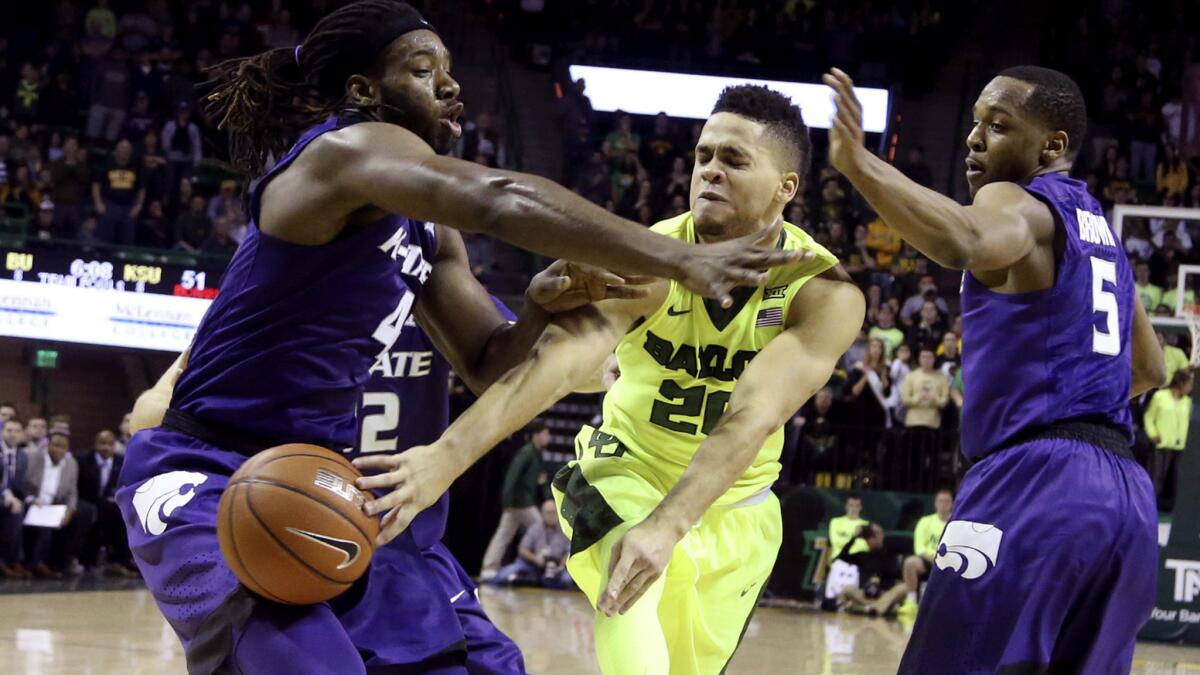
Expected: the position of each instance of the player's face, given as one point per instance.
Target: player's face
(737, 185)
(417, 91)
(1005, 145)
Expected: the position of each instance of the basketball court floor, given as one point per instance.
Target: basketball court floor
(120, 631)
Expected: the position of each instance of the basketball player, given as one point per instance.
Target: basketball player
(677, 478)
(335, 261)
(1049, 563)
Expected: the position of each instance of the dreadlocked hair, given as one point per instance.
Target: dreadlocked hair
(264, 102)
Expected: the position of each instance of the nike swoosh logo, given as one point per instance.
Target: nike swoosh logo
(349, 549)
(456, 597)
(671, 311)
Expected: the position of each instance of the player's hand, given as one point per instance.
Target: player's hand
(564, 286)
(417, 476)
(846, 149)
(638, 560)
(713, 270)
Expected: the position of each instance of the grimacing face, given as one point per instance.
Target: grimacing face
(416, 88)
(1006, 144)
(738, 185)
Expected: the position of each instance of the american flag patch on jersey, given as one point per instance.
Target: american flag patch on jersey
(769, 317)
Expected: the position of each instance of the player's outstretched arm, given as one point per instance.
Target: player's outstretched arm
(823, 319)
(571, 351)
(391, 168)
(999, 229)
(1149, 365)
(458, 314)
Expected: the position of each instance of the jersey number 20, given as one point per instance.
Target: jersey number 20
(1108, 341)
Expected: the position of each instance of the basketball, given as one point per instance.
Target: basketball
(291, 525)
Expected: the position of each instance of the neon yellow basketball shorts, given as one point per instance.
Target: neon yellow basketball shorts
(692, 618)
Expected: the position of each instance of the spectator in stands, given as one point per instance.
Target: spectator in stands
(220, 240)
(883, 242)
(901, 365)
(659, 151)
(622, 141)
(1144, 125)
(140, 119)
(886, 331)
(948, 356)
(927, 291)
(26, 98)
(845, 529)
(36, 433)
(595, 181)
(859, 261)
(8, 411)
(926, 391)
(915, 168)
(1148, 294)
(1173, 175)
(812, 441)
(13, 467)
(541, 555)
(43, 224)
(71, 181)
(100, 20)
(192, 227)
(856, 352)
(928, 331)
(153, 229)
(1137, 241)
(110, 98)
(867, 393)
(926, 537)
(481, 139)
(225, 198)
(20, 190)
(181, 138)
(98, 471)
(156, 171)
(1176, 359)
(878, 589)
(52, 479)
(519, 498)
(118, 195)
(1166, 423)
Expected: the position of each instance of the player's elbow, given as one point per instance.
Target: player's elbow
(1150, 373)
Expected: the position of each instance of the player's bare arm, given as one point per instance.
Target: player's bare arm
(374, 167)
(1004, 225)
(571, 352)
(823, 319)
(152, 404)
(1149, 365)
(457, 313)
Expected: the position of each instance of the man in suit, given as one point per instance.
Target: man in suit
(98, 471)
(13, 465)
(53, 478)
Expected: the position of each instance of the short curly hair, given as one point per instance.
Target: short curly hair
(775, 111)
(1056, 101)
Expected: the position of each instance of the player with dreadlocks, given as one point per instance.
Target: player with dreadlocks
(341, 253)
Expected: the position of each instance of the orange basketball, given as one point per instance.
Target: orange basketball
(291, 524)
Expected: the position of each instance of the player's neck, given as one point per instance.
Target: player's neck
(733, 231)
(1058, 166)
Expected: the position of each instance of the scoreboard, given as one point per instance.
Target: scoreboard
(99, 298)
(68, 268)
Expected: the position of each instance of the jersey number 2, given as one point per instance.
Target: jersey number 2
(1108, 341)
(381, 422)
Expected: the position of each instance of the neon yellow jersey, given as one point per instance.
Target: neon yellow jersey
(927, 535)
(679, 366)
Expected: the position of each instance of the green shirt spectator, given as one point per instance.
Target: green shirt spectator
(1166, 419)
(843, 528)
(1176, 359)
(521, 479)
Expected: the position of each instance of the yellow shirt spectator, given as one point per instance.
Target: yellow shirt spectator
(1167, 418)
(927, 535)
(1176, 359)
(841, 530)
(884, 241)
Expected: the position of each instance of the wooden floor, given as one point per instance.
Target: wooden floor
(94, 633)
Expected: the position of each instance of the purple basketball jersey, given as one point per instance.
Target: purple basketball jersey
(1033, 359)
(283, 352)
(406, 403)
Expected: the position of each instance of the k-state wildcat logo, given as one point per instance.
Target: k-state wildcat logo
(969, 549)
(163, 495)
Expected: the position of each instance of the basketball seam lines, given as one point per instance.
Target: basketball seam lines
(238, 554)
(267, 529)
(315, 498)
